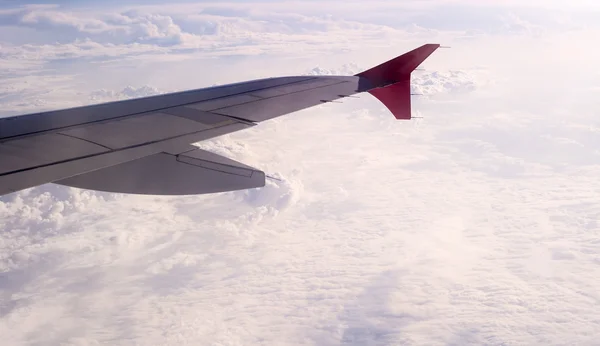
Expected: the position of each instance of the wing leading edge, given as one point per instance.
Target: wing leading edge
(120, 146)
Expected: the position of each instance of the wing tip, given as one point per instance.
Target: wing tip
(400, 67)
(391, 79)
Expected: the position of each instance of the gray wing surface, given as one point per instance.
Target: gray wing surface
(143, 145)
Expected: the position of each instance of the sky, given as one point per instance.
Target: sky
(476, 224)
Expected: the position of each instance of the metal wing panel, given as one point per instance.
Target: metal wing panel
(202, 117)
(37, 175)
(55, 120)
(224, 102)
(312, 83)
(268, 108)
(200, 100)
(202, 158)
(194, 172)
(21, 154)
(137, 130)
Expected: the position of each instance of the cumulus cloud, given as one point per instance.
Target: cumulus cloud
(126, 93)
(474, 225)
(344, 70)
(435, 82)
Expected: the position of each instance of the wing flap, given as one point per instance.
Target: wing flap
(206, 159)
(205, 118)
(192, 172)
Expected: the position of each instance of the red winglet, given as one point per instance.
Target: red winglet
(392, 79)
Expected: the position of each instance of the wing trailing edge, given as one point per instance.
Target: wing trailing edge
(391, 80)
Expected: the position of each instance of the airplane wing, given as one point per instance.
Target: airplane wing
(143, 146)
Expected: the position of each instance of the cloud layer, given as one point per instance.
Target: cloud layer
(475, 224)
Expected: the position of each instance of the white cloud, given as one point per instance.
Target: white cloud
(344, 70)
(474, 225)
(127, 93)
